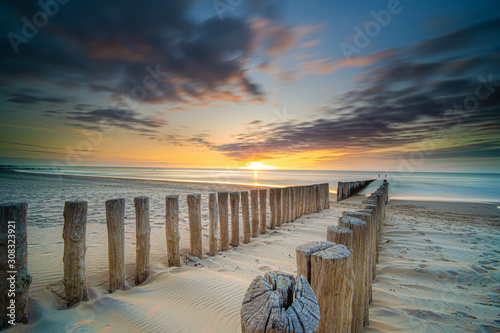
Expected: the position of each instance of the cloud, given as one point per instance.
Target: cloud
(130, 49)
(310, 43)
(327, 66)
(481, 35)
(20, 97)
(115, 117)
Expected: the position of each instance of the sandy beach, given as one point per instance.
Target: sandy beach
(438, 271)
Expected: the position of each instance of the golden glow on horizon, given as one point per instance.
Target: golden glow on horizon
(257, 166)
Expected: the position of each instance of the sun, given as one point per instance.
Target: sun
(257, 166)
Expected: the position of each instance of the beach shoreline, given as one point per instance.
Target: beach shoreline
(206, 296)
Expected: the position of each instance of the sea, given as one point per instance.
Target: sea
(46, 190)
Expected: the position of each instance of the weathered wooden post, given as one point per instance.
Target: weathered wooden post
(172, 230)
(222, 198)
(115, 219)
(327, 186)
(14, 277)
(254, 204)
(310, 202)
(213, 227)
(303, 255)
(286, 218)
(278, 207)
(195, 228)
(235, 218)
(330, 269)
(368, 257)
(279, 302)
(74, 235)
(332, 282)
(359, 231)
(293, 216)
(311, 199)
(301, 201)
(375, 237)
(318, 205)
(284, 205)
(263, 209)
(245, 213)
(272, 207)
(142, 239)
(339, 235)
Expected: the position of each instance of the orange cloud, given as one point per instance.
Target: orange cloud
(310, 43)
(326, 66)
(100, 49)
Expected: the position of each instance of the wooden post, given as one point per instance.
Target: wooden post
(359, 246)
(293, 216)
(279, 302)
(222, 198)
(263, 208)
(245, 213)
(287, 205)
(278, 207)
(301, 201)
(367, 218)
(195, 229)
(288, 191)
(213, 227)
(142, 239)
(303, 255)
(272, 207)
(172, 230)
(339, 235)
(74, 235)
(254, 204)
(308, 199)
(14, 264)
(327, 186)
(284, 205)
(310, 203)
(319, 207)
(375, 237)
(332, 278)
(235, 218)
(115, 219)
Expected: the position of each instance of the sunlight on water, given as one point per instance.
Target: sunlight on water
(411, 186)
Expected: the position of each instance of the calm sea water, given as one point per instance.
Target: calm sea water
(471, 187)
(47, 193)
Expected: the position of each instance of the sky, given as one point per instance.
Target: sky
(408, 85)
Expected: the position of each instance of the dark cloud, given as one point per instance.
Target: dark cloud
(483, 35)
(145, 51)
(28, 98)
(92, 120)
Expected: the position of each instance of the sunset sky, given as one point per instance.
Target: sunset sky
(332, 85)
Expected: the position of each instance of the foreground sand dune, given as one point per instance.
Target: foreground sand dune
(438, 271)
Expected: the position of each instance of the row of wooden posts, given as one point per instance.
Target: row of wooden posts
(342, 268)
(348, 189)
(333, 287)
(286, 204)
